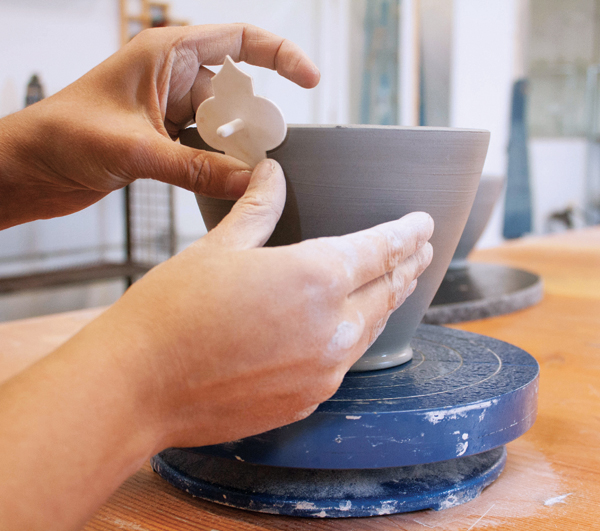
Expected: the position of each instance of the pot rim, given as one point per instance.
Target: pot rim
(415, 128)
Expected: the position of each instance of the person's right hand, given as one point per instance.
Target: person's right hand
(229, 339)
(225, 340)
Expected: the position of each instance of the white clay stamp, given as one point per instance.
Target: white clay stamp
(238, 122)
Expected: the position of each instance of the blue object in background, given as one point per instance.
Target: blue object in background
(517, 204)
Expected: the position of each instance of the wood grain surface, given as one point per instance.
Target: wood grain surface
(552, 477)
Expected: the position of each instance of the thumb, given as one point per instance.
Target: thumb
(202, 172)
(254, 216)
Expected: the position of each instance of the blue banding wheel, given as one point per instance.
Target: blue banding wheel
(330, 493)
(462, 395)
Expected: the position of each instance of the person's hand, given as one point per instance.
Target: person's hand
(228, 339)
(223, 341)
(117, 123)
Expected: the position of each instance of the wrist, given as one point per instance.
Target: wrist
(121, 361)
(21, 197)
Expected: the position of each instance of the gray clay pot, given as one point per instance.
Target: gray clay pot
(487, 195)
(342, 179)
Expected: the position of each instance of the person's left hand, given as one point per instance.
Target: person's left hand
(118, 122)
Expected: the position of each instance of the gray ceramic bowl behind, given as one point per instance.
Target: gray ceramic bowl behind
(342, 179)
(487, 195)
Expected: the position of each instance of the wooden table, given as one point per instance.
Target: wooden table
(552, 477)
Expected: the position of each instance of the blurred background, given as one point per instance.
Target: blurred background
(527, 70)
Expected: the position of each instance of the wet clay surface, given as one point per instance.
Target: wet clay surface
(343, 179)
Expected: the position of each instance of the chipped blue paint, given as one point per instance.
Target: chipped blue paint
(408, 415)
(428, 434)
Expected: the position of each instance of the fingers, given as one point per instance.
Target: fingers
(208, 45)
(386, 293)
(255, 46)
(376, 301)
(370, 254)
(202, 172)
(254, 216)
(182, 105)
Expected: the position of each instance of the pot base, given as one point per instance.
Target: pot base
(382, 361)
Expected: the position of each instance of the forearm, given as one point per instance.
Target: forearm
(72, 429)
(23, 195)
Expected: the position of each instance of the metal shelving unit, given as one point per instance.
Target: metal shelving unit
(148, 205)
(149, 239)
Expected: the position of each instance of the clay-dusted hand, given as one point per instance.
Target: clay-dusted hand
(116, 123)
(238, 339)
(225, 340)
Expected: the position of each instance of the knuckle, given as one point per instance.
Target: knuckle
(339, 260)
(259, 204)
(329, 386)
(153, 37)
(378, 328)
(257, 207)
(396, 288)
(295, 67)
(426, 255)
(390, 253)
(319, 270)
(148, 42)
(419, 261)
(306, 412)
(201, 175)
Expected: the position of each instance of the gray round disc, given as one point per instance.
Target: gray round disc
(483, 290)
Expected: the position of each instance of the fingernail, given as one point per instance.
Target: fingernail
(424, 219)
(271, 166)
(237, 182)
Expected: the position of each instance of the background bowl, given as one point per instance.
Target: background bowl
(342, 179)
(487, 195)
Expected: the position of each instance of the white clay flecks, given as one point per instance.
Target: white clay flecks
(453, 500)
(528, 488)
(453, 413)
(354, 250)
(556, 499)
(346, 335)
(394, 241)
(387, 507)
(412, 224)
(461, 448)
(305, 506)
(379, 327)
